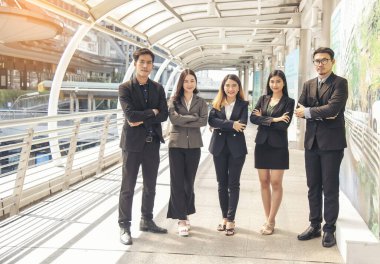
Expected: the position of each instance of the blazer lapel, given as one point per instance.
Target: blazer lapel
(236, 111)
(278, 107)
(223, 112)
(183, 102)
(264, 106)
(194, 101)
(326, 85)
(151, 93)
(314, 89)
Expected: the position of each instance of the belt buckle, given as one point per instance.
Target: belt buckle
(149, 139)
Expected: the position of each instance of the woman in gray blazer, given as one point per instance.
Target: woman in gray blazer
(187, 113)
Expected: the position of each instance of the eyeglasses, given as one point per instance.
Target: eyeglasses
(323, 61)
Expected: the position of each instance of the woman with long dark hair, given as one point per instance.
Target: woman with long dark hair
(228, 118)
(187, 113)
(273, 114)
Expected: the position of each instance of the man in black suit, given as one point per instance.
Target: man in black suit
(144, 105)
(322, 103)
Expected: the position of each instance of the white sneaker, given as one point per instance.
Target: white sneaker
(188, 224)
(183, 231)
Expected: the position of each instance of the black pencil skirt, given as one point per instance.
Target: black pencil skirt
(268, 157)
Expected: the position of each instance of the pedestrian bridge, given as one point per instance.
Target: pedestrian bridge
(60, 174)
(64, 209)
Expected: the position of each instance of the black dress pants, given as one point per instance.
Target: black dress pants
(322, 172)
(149, 159)
(228, 170)
(183, 168)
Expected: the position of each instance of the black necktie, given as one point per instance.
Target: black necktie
(320, 83)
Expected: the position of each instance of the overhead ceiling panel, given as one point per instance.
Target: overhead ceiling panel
(198, 29)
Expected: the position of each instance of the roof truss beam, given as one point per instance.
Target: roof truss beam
(230, 22)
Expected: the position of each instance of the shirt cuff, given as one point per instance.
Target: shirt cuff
(307, 113)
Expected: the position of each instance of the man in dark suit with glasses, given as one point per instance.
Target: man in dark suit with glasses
(322, 104)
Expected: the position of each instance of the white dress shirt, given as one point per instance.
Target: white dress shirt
(228, 109)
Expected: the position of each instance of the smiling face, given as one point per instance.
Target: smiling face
(231, 89)
(276, 84)
(321, 68)
(144, 66)
(189, 83)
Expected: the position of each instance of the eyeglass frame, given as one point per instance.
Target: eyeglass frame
(323, 61)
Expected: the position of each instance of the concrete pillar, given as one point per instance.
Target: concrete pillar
(280, 58)
(72, 102)
(246, 81)
(257, 82)
(327, 10)
(76, 104)
(273, 62)
(267, 63)
(262, 81)
(305, 66)
(93, 104)
(90, 98)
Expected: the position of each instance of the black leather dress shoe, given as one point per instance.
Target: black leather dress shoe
(310, 232)
(328, 239)
(125, 236)
(150, 226)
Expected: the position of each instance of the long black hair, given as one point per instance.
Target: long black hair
(280, 74)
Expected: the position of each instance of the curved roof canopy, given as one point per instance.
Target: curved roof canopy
(199, 34)
(21, 25)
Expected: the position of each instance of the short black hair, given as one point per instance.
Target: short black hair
(142, 51)
(324, 50)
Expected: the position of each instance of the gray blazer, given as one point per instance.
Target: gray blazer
(185, 131)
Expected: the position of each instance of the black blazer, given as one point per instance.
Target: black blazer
(330, 133)
(224, 133)
(275, 133)
(135, 109)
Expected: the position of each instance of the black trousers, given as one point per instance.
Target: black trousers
(322, 172)
(149, 159)
(183, 168)
(228, 170)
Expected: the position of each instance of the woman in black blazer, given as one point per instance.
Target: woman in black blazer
(228, 118)
(273, 114)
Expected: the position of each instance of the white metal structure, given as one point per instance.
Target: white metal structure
(89, 143)
(199, 34)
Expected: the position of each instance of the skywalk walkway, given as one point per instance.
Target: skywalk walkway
(80, 225)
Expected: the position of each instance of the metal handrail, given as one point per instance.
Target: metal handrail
(29, 171)
(45, 119)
